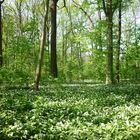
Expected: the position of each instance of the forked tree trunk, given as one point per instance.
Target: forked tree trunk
(41, 49)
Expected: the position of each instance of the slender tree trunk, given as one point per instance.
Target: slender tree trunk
(19, 5)
(118, 45)
(53, 38)
(41, 49)
(100, 18)
(1, 59)
(65, 43)
(63, 47)
(19, 10)
(48, 41)
(109, 72)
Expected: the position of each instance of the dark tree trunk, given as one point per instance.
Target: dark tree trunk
(1, 59)
(118, 45)
(109, 73)
(53, 38)
(109, 19)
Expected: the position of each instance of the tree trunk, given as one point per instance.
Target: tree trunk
(53, 38)
(1, 59)
(63, 47)
(109, 72)
(108, 10)
(100, 18)
(118, 45)
(19, 12)
(41, 49)
(109, 66)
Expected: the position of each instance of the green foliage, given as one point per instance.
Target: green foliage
(71, 112)
(81, 41)
(131, 65)
(11, 77)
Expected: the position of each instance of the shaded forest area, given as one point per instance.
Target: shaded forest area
(69, 70)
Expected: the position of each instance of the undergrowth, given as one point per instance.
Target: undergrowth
(71, 113)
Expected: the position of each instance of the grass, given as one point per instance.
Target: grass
(71, 113)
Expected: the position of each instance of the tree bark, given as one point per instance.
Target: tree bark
(41, 49)
(109, 72)
(108, 10)
(118, 45)
(53, 9)
(1, 58)
(53, 38)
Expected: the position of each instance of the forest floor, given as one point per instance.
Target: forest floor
(64, 112)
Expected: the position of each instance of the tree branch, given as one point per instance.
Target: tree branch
(64, 4)
(80, 7)
(104, 7)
